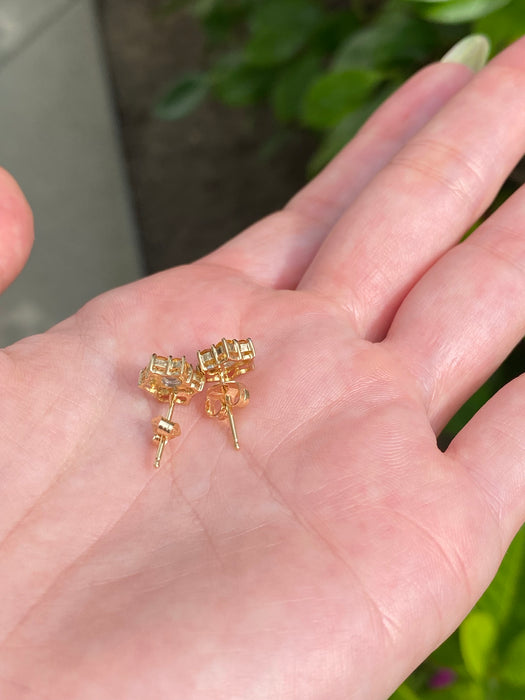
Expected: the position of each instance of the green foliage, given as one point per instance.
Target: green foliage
(290, 87)
(327, 70)
(322, 68)
(501, 598)
(279, 30)
(504, 25)
(335, 95)
(396, 37)
(477, 639)
(404, 692)
(187, 93)
(487, 652)
(513, 662)
(457, 11)
(237, 83)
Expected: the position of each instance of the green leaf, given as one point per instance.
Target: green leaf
(185, 96)
(477, 639)
(292, 84)
(334, 95)
(458, 691)
(457, 11)
(222, 19)
(504, 26)
(504, 594)
(505, 692)
(238, 84)
(343, 132)
(395, 37)
(335, 27)
(448, 654)
(404, 693)
(279, 29)
(513, 666)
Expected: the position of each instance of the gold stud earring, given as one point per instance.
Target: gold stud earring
(171, 380)
(222, 363)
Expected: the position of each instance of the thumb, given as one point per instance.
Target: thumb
(16, 230)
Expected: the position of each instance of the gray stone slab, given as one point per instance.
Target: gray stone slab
(22, 20)
(60, 141)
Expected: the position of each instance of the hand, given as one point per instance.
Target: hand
(330, 555)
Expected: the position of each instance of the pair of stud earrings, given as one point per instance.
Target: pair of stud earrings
(174, 380)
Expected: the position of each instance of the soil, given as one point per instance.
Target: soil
(198, 181)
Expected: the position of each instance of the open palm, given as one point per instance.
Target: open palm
(330, 555)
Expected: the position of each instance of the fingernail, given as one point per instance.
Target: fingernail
(472, 51)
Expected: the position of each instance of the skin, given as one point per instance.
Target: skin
(340, 546)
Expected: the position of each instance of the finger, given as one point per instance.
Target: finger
(277, 250)
(426, 198)
(16, 230)
(467, 313)
(492, 448)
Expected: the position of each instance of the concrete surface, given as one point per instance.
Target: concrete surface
(60, 140)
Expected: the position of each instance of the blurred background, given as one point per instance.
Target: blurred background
(146, 132)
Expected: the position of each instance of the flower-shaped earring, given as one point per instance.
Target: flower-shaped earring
(171, 380)
(222, 363)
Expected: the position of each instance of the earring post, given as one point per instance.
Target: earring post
(232, 426)
(164, 440)
(229, 411)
